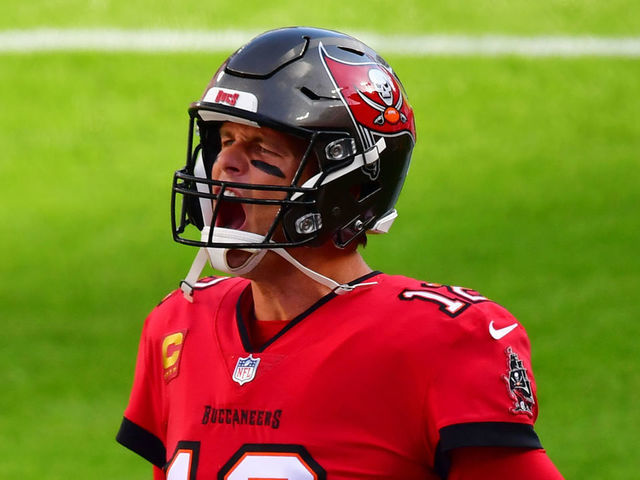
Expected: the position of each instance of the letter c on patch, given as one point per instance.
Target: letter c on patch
(171, 346)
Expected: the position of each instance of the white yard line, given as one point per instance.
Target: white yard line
(120, 40)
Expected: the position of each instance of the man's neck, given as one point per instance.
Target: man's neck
(281, 291)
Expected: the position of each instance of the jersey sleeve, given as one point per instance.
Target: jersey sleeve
(491, 463)
(484, 392)
(142, 429)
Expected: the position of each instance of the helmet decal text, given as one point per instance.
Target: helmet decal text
(233, 98)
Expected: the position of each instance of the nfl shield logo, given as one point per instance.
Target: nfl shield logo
(245, 369)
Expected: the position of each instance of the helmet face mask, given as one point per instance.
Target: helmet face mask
(327, 89)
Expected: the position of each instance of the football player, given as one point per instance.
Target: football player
(304, 363)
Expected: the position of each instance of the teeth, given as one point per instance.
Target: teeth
(229, 193)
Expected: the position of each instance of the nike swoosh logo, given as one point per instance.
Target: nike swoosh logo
(498, 333)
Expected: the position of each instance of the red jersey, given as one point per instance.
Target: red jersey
(378, 383)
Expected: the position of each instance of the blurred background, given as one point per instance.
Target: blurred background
(525, 185)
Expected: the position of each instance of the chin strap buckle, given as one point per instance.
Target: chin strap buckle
(197, 266)
(346, 288)
(187, 290)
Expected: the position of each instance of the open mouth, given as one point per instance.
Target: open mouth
(230, 214)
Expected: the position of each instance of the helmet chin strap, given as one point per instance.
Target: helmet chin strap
(218, 260)
(218, 256)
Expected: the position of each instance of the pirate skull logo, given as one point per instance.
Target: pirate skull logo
(382, 85)
(389, 113)
(373, 95)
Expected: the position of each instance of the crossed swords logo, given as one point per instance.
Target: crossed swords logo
(388, 112)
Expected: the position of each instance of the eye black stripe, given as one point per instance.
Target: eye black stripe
(268, 168)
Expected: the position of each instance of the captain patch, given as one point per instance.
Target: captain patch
(171, 352)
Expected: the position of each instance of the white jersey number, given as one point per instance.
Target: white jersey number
(184, 464)
(263, 461)
(453, 303)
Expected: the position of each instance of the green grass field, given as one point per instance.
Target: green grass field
(524, 185)
(617, 17)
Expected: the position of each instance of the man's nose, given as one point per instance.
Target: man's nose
(233, 160)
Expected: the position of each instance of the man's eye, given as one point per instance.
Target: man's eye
(265, 150)
(268, 168)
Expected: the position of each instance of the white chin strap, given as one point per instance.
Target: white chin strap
(218, 256)
(219, 261)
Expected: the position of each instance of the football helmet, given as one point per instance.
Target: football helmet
(324, 87)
